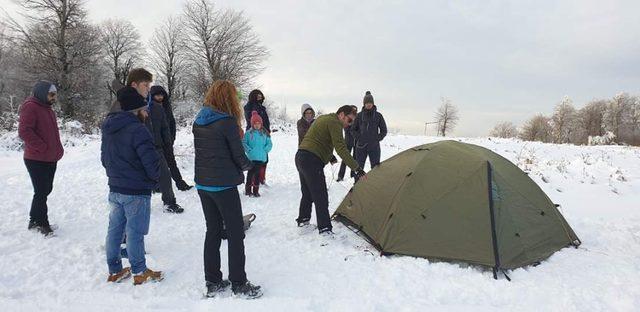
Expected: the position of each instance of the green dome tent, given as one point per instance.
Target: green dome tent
(456, 201)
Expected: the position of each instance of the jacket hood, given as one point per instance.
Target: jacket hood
(208, 115)
(155, 90)
(41, 90)
(118, 120)
(304, 108)
(253, 96)
(373, 109)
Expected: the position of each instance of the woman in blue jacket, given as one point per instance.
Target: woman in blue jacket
(219, 163)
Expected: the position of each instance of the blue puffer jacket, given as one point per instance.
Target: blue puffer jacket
(257, 144)
(129, 155)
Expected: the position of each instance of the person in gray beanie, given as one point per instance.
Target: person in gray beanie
(368, 130)
(38, 129)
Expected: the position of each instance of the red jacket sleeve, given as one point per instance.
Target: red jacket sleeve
(27, 129)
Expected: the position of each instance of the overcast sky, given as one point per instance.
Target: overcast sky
(495, 60)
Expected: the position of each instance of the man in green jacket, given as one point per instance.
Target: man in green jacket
(315, 151)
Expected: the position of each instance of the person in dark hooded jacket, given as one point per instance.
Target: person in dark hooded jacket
(368, 130)
(255, 103)
(162, 139)
(308, 116)
(159, 95)
(38, 129)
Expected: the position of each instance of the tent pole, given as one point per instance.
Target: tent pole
(493, 223)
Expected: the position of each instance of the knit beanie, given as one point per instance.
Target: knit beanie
(255, 117)
(130, 99)
(368, 98)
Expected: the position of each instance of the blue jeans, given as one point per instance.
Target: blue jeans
(130, 213)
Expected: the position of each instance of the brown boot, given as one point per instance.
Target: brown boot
(148, 276)
(120, 276)
(256, 189)
(247, 189)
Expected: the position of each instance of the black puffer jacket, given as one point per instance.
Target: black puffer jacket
(168, 109)
(369, 128)
(220, 157)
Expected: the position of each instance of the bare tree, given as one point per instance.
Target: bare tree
(12, 84)
(58, 43)
(222, 42)
(592, 117)
(589, 121)
(618, 117)
(537, 128)
(505, 129)
(121, 43)
(446, 117)
(563, 121)
(168, 52)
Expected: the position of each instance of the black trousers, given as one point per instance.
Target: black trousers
(223, 208)
(370, 150)
(314, 189)
(170, 157)
(166, 187)
(253, 176)
(343, 166)
(42, 174)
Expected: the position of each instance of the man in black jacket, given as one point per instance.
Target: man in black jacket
(159, 95)
(162, 139)
(368, 130)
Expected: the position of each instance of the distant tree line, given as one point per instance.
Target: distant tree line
(617, 118)
(56, 41)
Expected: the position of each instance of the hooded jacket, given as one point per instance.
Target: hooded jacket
(38, 126)
(369, 128)
(158, 126)
(219, 156)
(168, 109)
(128, 155)
(303, 124)
(254, 105)
(257, 144)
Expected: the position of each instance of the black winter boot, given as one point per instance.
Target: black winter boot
(173, 208)
(247, 291)
(42, 228)
(213, 288)
(247, 190)
(256, 191)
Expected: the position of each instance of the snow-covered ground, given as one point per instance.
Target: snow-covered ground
(598, 187)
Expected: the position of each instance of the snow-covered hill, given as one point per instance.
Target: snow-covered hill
(598, 188)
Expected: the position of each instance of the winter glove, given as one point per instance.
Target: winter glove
(333, 160)
(360, 174)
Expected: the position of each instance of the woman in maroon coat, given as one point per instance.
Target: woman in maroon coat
(38, 128)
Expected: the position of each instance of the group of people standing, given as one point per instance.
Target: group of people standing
(138, 156)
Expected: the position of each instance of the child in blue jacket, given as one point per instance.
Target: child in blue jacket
(257, 144)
